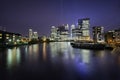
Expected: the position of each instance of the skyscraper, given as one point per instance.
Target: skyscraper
(63, 33)
(53, 33)
(30, 34)
(67, 27)
(84, 25)
(71, 33)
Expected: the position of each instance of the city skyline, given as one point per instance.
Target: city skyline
(60, 39)
(19, 16)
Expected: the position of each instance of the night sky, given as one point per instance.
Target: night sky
(20, 15)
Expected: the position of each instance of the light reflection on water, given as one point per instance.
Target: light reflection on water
(44, 58)
(32, 53)
(44, 51)
(85, 55)
(13, 57)
(60, 49)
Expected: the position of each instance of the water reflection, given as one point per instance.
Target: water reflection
(32, 52)
(44, 51)
(13, 57)
(85, 55)
(35, 48)
(61, 59)
(61, 50)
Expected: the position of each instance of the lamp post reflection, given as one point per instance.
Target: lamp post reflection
(13, 57)
(44, 51)
(33, 52)
(35, 48)
(85, 56)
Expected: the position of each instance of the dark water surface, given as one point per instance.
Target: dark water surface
(57, 61)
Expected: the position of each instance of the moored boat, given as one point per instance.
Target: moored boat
(95, 46)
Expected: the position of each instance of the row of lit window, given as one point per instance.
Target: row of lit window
(0, 36)
(7, 35)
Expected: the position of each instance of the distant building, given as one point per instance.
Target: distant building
(53, 33)
(113, 36)
(84, 25)
(110, 36)
(35, 35)
(63, 33)
(66, 27)
(117, 36)
(71, 31)
(30, 34)
(98, 34)
(76, 34)
(9, 38)
(60, 33)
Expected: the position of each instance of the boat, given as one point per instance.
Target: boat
(95, 46)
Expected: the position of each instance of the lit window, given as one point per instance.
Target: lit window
(0, 37)
(86, 33)
(13, 35)
(7, 37)
(0, 34)
(7, 34)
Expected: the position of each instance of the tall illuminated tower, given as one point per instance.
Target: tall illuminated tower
(30, 34)
(53, 32)
(71, 33)
(66, 27)
(84, 25)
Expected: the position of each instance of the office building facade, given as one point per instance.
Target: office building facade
(84, 25)
(98, 34)
(53, 35)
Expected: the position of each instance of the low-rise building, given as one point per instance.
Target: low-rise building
(9, 38)
(113, 36)
(117, 36)
(110, 36)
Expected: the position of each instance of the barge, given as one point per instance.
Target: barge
(95, 46)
